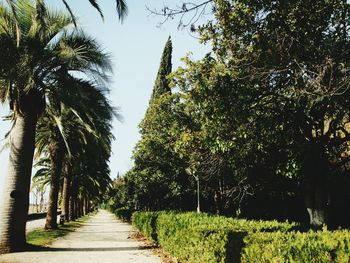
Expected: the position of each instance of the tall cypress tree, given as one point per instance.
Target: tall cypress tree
(161, 85)
(154, 177)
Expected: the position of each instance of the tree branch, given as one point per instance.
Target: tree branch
(168, 13)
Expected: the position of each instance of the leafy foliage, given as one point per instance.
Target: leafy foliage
(123, 214)
(262, 120)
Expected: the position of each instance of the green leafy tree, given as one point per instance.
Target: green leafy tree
(286, 63)
(158, 174)
(210, 135)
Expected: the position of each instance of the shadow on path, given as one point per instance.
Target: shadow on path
(33, 248)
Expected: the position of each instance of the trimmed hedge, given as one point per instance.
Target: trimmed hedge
(320, 246)
(192, 237)
(123, 214)
(146, 223)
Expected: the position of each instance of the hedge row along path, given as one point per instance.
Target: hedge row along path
(102, 238)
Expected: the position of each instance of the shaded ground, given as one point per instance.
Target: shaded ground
(101, 239)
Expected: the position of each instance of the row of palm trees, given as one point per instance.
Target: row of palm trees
(55, 78)
(81, 142)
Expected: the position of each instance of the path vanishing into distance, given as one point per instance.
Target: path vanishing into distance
(101, 239)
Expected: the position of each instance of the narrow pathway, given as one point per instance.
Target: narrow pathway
(102, 239)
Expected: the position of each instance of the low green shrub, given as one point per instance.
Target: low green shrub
(320, 246)
(123, 214)
(146, 223)
(192, 237)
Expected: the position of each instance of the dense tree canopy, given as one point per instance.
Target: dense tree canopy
(264, 118)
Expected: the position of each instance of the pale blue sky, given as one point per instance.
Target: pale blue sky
(136, 47)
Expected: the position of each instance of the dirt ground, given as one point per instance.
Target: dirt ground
(102, 238)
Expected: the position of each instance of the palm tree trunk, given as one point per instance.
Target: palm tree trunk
(41, 204)
(71, 209)
(15, 196)
(76, 208)
(56, 149)
(82, 211)
(66, 193)
(86, 205)
(72, 201)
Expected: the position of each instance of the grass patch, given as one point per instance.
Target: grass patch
(42, 237)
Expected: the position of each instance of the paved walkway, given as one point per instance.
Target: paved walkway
(102, 239)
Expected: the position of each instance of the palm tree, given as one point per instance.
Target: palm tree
(57, 134)
(56, 151)
(90, 170)
(41, 180)
(121, 7)
(91, 175)
(28, 73)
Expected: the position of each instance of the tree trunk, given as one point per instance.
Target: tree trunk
(316, 194)
(218, 202)
(77, 209)
(71, 209)
(84, 206)
(66, 193)
(316, 201)
(82, 211)
(56, 149)
(75, 189)
(80, 208)
(72, 203)
(15, 196)
(36, 203)
(87, 205)
(41, 205)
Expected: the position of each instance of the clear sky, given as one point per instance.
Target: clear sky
(136, 47)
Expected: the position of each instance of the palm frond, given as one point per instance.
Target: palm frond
(82, 52)
(97, 7)
(6, 141)
(70, 12)
(41, 177)
(13, 6)
(60, 126)
(122, 9)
